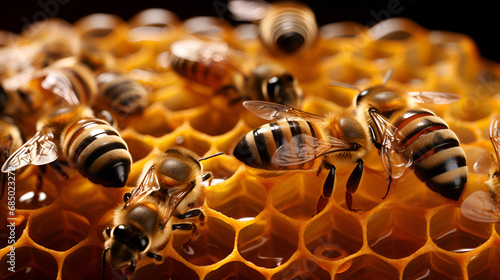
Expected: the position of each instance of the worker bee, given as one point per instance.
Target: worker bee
(409, 136)
(10, 140)
(122, 93)
(287, 28)
(67, 79)
(483, 206)
(296, 139)
(170, 184)
(218, 66)
(90, 145)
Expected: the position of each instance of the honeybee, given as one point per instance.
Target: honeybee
(218, 66)
(286, 28)
(90, 145)
(483, 206)
(67, 79)
(409, 136)
(296, 139)
(10, 140)
(122, 93)
(170, 183)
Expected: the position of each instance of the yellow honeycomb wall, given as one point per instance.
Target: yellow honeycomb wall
(261, 225)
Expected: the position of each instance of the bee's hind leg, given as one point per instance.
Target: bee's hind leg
(327, 187)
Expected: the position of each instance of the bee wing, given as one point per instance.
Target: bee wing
(27, 75)
(275, 111)
(393, 161)
(495, 135)
(480, 207)
(303, 148)
(174, 197)
(58, 83)
(484, 163)
(148, 185)
(253, 10)
(39, 150)
(434, 97)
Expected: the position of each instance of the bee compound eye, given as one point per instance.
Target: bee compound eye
(140, 242)
(273, 87)
(120, 231)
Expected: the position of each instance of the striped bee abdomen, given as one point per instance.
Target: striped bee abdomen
(98, 152)
(434, 149)
(124, 94)
(213, 75)
(258, 147)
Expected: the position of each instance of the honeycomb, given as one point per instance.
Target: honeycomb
(260, 224)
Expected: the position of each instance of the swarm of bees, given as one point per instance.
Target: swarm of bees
(66, 96)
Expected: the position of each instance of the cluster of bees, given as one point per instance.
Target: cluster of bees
(73, 87)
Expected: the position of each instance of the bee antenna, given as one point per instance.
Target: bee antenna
(211, 156)
(386, 77)
(104, 261)
(344, 85)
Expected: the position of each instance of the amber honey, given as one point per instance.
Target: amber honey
(263, 225)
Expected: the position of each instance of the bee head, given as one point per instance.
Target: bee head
(124, 245)
(283, 89)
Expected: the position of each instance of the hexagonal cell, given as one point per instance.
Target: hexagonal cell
(396, 232)
(84, 196)
(86, 263)
(470, 108)
(269, 242)
(58, 230)
(29, 263)
(184, 137)
(455, 233)
(213, 121)
(302, 269)
(105, 31)
(432, 265)
(485, 265)
(213, 243)
(138, 148)
(169, 269)
(177, 98)
(152, 122)
(240, 197)
(153, 25)
(334, 235)
(368, 267)
(410, 190)
(205, 26)
(234, 270)
(222, 167)
(31, 193)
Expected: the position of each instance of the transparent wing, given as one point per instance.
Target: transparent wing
(248, 10)
(434, 97)
(174, 197)
(480, 207)
(303, 148)
(495, 135)
(484, 163)
(27, 75)
(58, 83)
(275, 111)
(148, 185)
(392, 159)
(39, 150)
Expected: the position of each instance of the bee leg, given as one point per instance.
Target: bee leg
(327, 188)
(187, 226)
(353, 184)
(127, 196)
(193, 213)
(154, 256)
(57, 167)
(131, 268)
(104, 262)
(377, 145)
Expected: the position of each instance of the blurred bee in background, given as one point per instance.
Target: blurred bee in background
(170, 184)
(122, 93)
(483, 206)
(11, 139)
(220, 67)
(409, 136)
(90, 145)
(39, 46)
(286, 28)
(298, 138)
(67, 81)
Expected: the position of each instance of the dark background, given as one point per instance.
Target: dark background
(478, 19)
